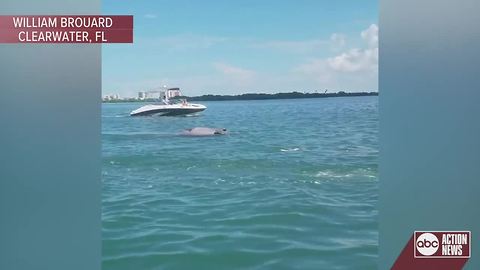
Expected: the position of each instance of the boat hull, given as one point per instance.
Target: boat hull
(168, 110)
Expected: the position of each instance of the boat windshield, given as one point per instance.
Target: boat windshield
(174, 101)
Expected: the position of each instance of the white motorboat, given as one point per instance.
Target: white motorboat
(168, 108)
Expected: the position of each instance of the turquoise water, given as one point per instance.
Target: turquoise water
(292, 186)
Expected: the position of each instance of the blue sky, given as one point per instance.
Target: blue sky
(232, 47)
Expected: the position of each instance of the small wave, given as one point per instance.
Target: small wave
(191, 167)
(191, 115)
(349, 174)
(290, 149)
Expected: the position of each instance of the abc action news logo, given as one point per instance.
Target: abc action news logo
(442, 244)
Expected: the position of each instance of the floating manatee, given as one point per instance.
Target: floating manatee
(204, 131)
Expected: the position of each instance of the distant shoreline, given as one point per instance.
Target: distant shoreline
(291, 95)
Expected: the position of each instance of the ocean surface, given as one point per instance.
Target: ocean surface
(292, 186)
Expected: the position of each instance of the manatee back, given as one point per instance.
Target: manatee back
(204, 131)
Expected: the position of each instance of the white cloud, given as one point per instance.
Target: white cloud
(358, 66)
(316, 69)
(370, 35)
(236, 75)
(355, 60)
(338, 40)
